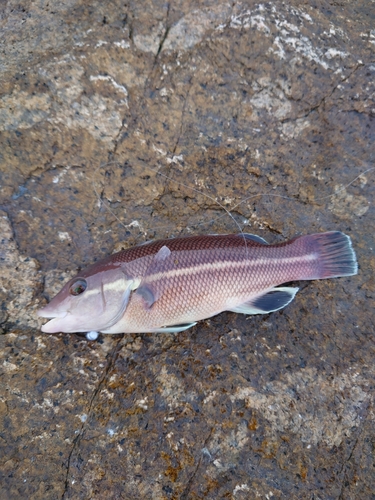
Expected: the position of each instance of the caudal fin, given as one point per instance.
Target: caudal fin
(335, 254)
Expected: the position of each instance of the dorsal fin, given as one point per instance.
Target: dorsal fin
(254, 237)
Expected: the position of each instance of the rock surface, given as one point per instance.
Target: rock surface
(122, 123)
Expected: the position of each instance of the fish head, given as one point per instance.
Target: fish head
(95, 299)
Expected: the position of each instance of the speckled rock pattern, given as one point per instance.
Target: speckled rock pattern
(125, 122)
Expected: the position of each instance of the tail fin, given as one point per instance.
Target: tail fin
(336, 256)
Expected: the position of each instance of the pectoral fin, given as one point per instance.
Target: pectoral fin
(148, 291)
(147, 295)
(273, 300)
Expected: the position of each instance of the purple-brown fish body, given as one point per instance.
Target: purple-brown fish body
(169, 285)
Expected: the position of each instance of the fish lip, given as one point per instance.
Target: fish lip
(42, 313)
(53, 325)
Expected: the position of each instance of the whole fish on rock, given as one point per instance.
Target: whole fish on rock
(169, 285)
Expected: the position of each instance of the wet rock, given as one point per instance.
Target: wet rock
(20, 282)
(123, 123)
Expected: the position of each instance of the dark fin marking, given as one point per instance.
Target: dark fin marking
(336, 256)
(273, 300)
(255, 237)
(174, 328)
(147, 295)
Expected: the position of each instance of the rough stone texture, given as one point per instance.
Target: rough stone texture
(122, 122)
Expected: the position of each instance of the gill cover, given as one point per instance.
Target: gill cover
(93, 303)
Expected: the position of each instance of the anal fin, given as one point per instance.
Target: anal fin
(174, 328)
(273, 300)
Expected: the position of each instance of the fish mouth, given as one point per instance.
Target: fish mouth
(55, 323)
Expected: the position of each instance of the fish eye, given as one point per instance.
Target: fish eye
(78, 287)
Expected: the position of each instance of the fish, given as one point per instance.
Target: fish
(169, 285)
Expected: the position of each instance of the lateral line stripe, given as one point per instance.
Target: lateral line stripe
(218, 266)
(121, 283)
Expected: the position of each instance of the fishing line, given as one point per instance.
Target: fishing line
(143, 119)
(345, 187)
(214, 200)
(227, 212)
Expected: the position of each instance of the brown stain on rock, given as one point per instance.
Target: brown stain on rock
(253, 425)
